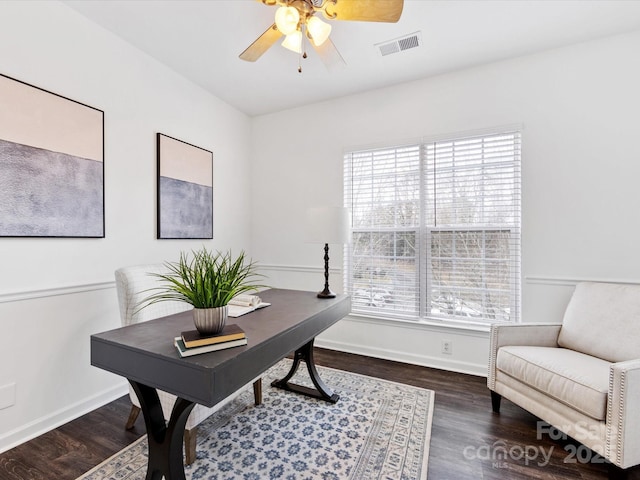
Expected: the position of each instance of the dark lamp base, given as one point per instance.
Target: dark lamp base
(326, 293)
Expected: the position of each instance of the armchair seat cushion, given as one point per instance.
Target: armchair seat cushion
(573, 378)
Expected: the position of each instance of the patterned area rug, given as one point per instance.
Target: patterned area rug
(377, 430)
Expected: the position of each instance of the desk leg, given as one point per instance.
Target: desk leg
(322, 391)
(165, 439)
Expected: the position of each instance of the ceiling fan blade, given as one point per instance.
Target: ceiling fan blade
(261, 44)
(330, 56)
(363, 10)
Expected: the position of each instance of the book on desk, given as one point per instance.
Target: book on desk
(245, 303)
(187, 352)
(193, 338)
(192, 342)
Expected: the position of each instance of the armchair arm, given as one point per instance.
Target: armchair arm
(623, 414)
(534, 334)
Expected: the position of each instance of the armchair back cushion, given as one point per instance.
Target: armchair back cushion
(603, 320)
(134, 284)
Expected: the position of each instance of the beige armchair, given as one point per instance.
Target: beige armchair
(582, 376)
(132, 285)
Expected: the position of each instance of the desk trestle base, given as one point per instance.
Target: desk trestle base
(321, 392)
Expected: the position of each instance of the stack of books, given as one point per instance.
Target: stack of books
(193, 342)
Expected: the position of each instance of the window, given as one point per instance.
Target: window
(436, 229)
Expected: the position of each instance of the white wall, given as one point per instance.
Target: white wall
(578, 106)
(54, 293)
(580, 169)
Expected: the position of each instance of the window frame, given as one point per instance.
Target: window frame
(424, 234)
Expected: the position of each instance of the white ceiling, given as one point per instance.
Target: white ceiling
(201, 39)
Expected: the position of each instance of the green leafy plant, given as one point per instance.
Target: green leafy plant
(206, 280)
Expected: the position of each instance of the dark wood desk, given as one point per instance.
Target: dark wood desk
(144, 353)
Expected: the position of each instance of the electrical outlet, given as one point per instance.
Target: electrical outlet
(447, 347)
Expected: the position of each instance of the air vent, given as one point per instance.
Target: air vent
(397, 45)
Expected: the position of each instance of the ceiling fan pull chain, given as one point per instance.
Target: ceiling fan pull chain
(303, 49)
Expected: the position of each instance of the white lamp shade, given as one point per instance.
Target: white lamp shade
(328, 225)
(293, 42)
(287, 19)
(318, 30)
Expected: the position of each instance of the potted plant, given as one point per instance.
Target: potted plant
(208, 281)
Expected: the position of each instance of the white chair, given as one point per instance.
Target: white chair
(133, 284)
(582, 375)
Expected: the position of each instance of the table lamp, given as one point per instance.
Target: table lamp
(327, 225)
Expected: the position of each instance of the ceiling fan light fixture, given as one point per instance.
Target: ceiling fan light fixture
(287, 19)
(318, 30)
(296, 19)
(293, 41)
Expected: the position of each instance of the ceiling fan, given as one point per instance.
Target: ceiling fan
(297, 20)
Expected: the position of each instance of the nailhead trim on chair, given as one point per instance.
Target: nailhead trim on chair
(491, 376)
(607, 447)
(619, 435)
(619, 424)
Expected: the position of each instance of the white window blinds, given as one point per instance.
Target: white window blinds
(436, 229)
(383, 193)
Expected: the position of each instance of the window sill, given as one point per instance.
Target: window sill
(426, 323)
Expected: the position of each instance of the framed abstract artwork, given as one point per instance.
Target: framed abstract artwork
(51, 164)
(185, 190)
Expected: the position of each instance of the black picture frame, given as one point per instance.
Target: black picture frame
(184, 190)
(51, 164)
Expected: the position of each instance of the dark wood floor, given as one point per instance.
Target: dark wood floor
(465, 435)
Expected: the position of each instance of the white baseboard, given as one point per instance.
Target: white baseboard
(47, 423)
(398, 356)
